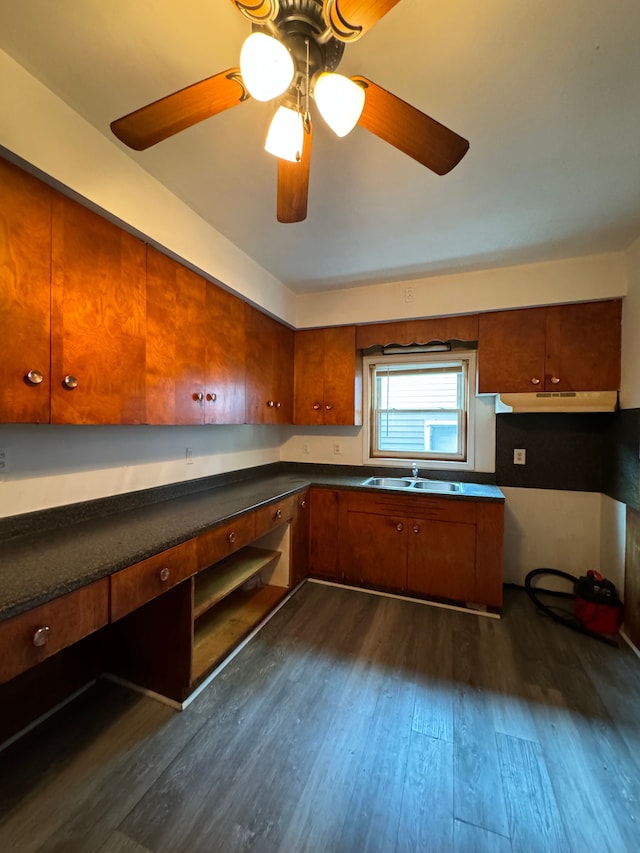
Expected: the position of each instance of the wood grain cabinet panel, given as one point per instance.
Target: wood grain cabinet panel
(324, 507)
(275, 514)
(98, 319)
(32, 637)
(134, 586)
(434, 547)
(300, 538)
(421, 331)
(269, 378)
(175, 342)
(25, 296)
(226, 368)
(218, 543)
(327, 377)
(558, 348)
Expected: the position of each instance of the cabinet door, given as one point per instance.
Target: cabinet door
(175, 342)
(25, 296)
(308, 394)
(323, 532)
(226, 357)
(342, 378)
(376, 550)
(583, 347)
(260, 396)
(511, 351)
(442, 559)
(97, 319)
(300, 539)
(283, 373)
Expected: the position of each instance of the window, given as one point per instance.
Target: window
(420, 407)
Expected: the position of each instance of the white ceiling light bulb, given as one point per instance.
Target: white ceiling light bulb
(266, 66)
(286, 135)
(339, 100)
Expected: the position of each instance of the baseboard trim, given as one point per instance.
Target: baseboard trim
(470, 610)
(46, 715)
(630, 643)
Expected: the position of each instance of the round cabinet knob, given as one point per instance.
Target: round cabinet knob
(34, 377)
(198, 396)
(70, 382)
(303, 504)
(164, 574)
(555, 380)
(535, 381)
(416, 528)
(399, 527)
(329, 406)
(231, 538)
(41, 636)
(317, 406)
(211, 398)
(277, 513)
(270, 403)
(278, 405)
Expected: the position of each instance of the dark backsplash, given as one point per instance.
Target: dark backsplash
(577, 452)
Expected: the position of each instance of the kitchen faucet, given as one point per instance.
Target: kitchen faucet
(414, 470)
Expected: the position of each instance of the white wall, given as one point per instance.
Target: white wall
(630, 391)
(57, 465)
(573, 280)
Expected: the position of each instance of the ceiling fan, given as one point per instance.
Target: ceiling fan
(292, 55)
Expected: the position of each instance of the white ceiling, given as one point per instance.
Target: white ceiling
(547, 92)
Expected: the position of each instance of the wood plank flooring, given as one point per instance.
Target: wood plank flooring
(351, 723)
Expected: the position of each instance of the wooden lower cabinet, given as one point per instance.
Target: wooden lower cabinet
(323, 533)
(422, 545)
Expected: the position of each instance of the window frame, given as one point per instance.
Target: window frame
(399, 458)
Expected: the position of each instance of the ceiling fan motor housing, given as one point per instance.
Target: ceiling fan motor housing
(299, 22)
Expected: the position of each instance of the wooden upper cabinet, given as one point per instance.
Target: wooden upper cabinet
(583, 346)
(327, 380)
(225, 362)
(97, 319)
(25, 296)
(558, 348)
(269, 383)
(175, 347)
(403, 332)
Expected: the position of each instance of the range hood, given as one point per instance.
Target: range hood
(558, 401)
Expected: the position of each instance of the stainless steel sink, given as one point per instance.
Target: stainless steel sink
(418, 483)
(388, 482)
(436, 486)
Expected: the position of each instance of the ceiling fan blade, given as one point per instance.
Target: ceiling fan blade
(293, 184)
(409, 130)
(350, 19)
(173, 113)
(259, 11)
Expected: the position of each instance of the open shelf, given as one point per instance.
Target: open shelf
(224, 577)
(222, 627)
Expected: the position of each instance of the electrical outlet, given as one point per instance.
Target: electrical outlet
(337, 448)
(409, 294)
(189, 456)
(520, 456)
(5, 460)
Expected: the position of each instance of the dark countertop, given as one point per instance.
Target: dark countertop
(41, 564)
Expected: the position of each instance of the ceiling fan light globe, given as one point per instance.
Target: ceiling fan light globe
(286, 135)
(339, 100)
(266, 67)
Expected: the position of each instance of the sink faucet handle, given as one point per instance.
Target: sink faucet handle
(414, 470)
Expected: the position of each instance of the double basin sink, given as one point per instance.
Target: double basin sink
(414, 484)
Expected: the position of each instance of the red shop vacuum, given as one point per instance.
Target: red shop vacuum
(597, 609)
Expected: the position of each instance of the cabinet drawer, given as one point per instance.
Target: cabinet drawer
(226, 539)
(415, 506)
(30, 638)
(134, 586)
(274, 514)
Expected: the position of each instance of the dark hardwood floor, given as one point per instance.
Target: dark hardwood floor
(351, 723)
